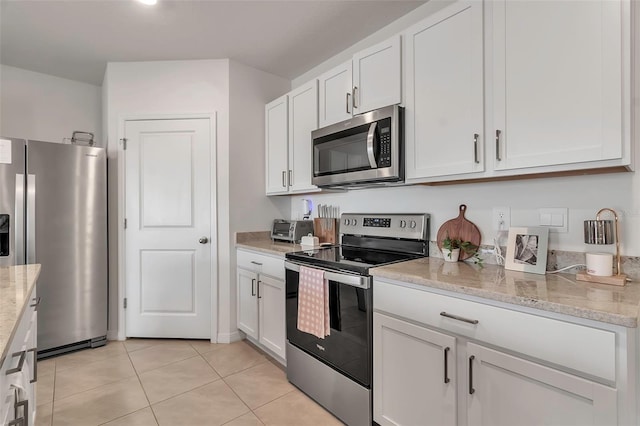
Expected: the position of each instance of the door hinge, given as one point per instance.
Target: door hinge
(125, 224)
(124, 143)
(125, 303)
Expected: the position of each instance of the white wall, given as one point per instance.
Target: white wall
(158, 88)
(582, 195)
(184, 87)
(249, 208)
(43, 107)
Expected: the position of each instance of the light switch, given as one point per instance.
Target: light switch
(556, 219)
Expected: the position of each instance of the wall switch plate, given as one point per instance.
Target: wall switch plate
(556, 219)
(501, 218)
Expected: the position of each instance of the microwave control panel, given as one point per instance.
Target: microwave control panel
(384, 156)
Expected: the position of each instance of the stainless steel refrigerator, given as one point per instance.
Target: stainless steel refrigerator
(53, 211)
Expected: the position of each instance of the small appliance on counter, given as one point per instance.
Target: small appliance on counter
(291, 230)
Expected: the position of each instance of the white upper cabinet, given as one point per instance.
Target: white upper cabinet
(444, 93)
(290, 120)
(276, 140)
(376, 76)
(335, 95)
(559, 72)
(303, 119)
(370, 80)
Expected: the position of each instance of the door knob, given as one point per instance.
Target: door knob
(203, 240)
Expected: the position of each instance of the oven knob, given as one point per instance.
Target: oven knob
(403, 224)
(412, 224)
(347, 222)
(354, 222)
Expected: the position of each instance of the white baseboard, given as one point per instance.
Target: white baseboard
(113, 335)
(229, 337)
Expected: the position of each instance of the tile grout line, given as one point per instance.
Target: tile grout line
(141, 386)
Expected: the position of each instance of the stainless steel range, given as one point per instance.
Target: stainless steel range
(336, 370)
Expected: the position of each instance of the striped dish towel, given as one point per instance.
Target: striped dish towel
(313, 302)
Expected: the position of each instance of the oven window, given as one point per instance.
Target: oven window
(348, 347)
(342, 152)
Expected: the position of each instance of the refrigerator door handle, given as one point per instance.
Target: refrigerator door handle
(31, 218)
(18, 220)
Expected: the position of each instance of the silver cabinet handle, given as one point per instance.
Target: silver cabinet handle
(455, 317)
(203, 240)
(471, 389)
(24, 419)
(35, 364)
(446, 364)
(253, 286)
(284, 179)
(36, 303)
(259, 297)
(370, 136)
(475, 148)
(256, 263)
(353, 95)
(498, 132)
(290, 177)
(22, 355)
(348, 95)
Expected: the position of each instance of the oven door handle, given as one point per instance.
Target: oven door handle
(359, 281)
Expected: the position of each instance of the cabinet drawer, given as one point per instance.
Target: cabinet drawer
(576, 347)
(260, 263)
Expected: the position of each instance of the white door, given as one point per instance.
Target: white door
(335, 95)
(303, 119)
(507, 390)
(444, 93)
(168, 233)
(414, 374)
(247, 282)
(376, 76)
(277, 170)
(271, 301)
(557, 82)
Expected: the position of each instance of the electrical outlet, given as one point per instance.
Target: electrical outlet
(501, 218)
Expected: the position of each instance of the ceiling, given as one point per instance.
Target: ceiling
(75, 39)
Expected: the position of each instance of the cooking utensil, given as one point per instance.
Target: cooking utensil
(462, 229)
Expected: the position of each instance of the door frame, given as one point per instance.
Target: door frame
(122, 119)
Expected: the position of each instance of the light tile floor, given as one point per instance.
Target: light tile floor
(143, 382)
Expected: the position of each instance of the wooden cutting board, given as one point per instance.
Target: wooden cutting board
(462, 229)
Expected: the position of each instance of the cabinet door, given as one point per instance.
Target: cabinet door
(247, 283)
(276, 141)
(303, 119)
(414, 374)
(557, 82)
(444, 93)
(507, 390)
(335, 95)
(272, 314)
(376, 76)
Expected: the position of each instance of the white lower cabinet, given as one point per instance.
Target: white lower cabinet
(414, 374)
(18, 372)
(503, 389)
(435, 362)
(261, 300)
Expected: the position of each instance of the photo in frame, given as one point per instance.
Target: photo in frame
(527, 249)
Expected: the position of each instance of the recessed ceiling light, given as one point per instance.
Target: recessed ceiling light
(148, 2)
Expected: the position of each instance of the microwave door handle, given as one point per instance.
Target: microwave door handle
(370, 136)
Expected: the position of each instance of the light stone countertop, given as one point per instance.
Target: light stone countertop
(262, 242)
(16, 283)
(559, 293)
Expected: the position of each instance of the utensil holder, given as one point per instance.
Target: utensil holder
(326, 229)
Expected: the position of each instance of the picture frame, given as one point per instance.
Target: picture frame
(527, 249)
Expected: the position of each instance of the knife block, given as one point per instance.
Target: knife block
(326, 230)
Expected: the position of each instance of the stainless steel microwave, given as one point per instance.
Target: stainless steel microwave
(362, 151)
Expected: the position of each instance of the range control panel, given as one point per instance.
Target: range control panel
(392, 225)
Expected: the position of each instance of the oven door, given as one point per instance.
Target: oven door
(349, 345)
